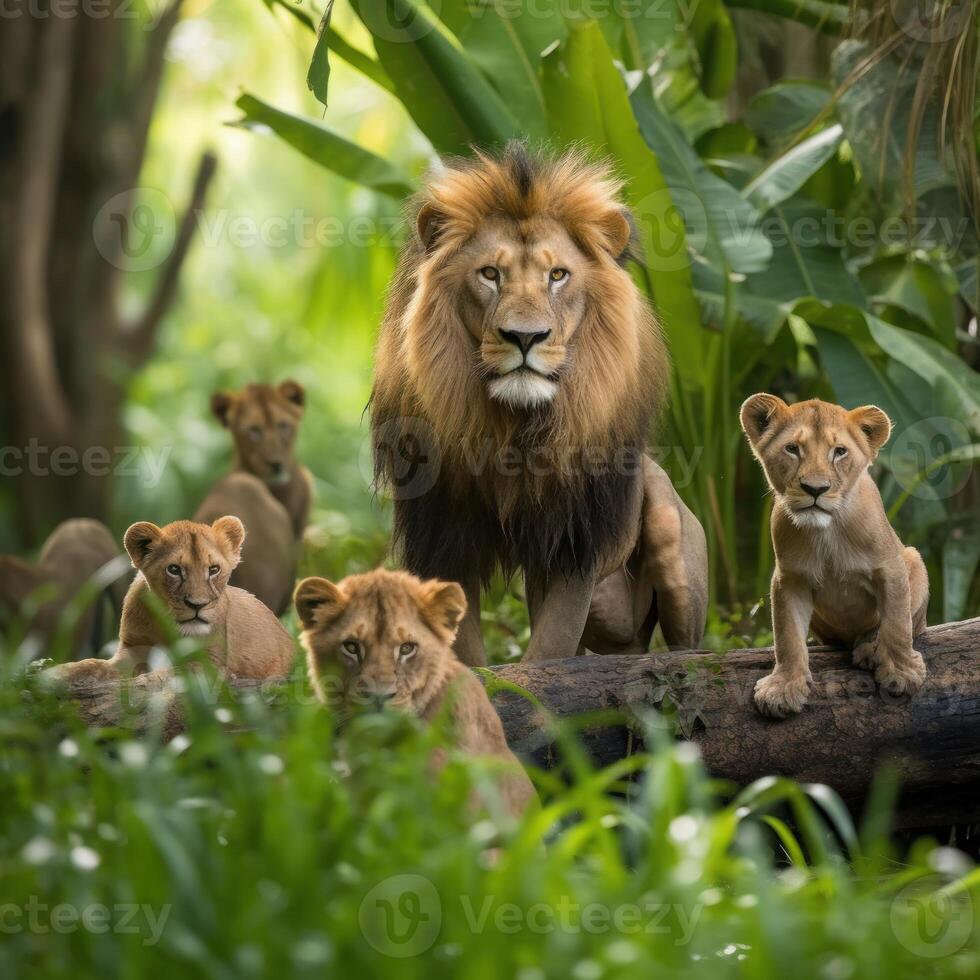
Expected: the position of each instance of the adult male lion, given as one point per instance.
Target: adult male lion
(517, 373)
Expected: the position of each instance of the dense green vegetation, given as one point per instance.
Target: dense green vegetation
(788, 247)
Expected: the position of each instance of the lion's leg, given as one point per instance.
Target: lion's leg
(559, 619)
(469, 640)
(674, 561)
(611, 626)
(901, 590)
(918, 589)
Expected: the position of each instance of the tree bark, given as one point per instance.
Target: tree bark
(847, 732)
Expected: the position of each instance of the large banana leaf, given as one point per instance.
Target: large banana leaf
(439, 84)
(722, 226)
(507, 45)
(324, 146)
(587, 103)
(961, 556)
(784, 111)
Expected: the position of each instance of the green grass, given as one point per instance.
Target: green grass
(264, 844)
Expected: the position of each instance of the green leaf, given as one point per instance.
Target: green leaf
(766, 315)
(324, 146)
(438, 83)
(782, 112)
(713, 33)
(507, 44)
(319, 73)
(967, 276)
(785, 175)
(358, 60)
(961, 555)
(722, 226)
(587, 102)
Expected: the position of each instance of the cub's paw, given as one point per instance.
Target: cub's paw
(901, 675)
(778, 695)
(865, 652)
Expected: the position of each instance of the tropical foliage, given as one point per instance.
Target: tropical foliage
(816, 237)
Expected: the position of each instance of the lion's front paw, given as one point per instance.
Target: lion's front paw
(901, 675)
(865, 653)
(778, 695)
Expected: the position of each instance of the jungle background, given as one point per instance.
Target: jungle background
(805, 182)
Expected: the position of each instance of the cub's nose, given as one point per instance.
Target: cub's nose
(275, 466)
(524, 340)
(814, 489)
(196, 606)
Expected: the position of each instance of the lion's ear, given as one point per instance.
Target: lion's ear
(221, 402)
(231, 533)
(444, 606)
(140, 540)
(617, 227)
(759, 412)
(293, 391)
(428, 224)
(874, 423)
(318, 602)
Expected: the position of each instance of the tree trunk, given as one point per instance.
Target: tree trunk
(77, 94)
(844, 735)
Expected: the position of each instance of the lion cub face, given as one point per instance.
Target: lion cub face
(187, 565)
(813, 452)
(263, 421)
(378, 639)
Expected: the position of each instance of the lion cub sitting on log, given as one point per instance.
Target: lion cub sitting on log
(840, 567)
(186, 566)
(268, 490)
(385, 638)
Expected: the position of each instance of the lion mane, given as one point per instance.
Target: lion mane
(548, 488)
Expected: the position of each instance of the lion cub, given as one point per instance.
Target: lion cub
(186, 566)
(268, 490)
(840, 567)
(386, 638)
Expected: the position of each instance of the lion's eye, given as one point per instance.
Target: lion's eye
(557, 275)
(491, 273)
(285, 428)
(174, 570)
(255, 433)
(840, 452)
(213, 570)
(352, 648)
(407, 650)
(792, 448)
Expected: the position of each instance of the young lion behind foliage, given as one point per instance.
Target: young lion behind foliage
(385, 638)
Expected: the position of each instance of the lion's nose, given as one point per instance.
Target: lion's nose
(276, 466)
(815, 489)
(524, 340)
(196, 606)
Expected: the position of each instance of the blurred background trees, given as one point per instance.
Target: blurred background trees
(804, 178)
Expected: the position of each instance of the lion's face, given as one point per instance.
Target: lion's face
(523, 296)
(187, 565)
(263, 421)
(813, 452)
(378, 639)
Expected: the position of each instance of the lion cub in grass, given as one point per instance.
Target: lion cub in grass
(840, 567)
(385, 638)
(268, 489)
(186, 566)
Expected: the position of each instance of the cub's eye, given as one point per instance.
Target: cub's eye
(407, 650)
(557, 275)
(491, 273)
(285, 428)
(173, 570)
(352, 648)
(840, 452)
(792, 448)
(255, 433)
(213, 570)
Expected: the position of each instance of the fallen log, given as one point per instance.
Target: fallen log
(846, 733)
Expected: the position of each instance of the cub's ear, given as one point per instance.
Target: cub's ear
(140, 540)
(428, 224)
(618, 228)
(759, 412)
(293, 391)
(318, 602)
(874, 423)
(444, 606)
(221, 402)
(231, 533)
